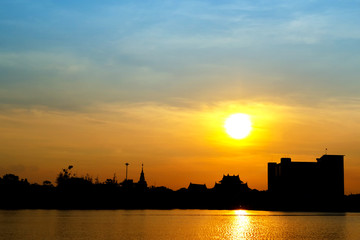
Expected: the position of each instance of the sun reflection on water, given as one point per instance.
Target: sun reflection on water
(240, 226)
(241, 212)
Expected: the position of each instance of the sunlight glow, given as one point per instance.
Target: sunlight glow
(241, 227)
(241, 212)
(238, 125)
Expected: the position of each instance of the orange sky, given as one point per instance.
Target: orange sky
(177, 145)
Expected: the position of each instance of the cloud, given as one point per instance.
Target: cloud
(207, 52)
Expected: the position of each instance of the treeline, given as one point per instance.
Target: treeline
(72, 192)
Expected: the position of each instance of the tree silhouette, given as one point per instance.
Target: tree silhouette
(64, 176)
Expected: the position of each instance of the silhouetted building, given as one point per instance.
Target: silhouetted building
(231, 183)
(323, 179)
(142, 184)
(197, 187)
(127, 184)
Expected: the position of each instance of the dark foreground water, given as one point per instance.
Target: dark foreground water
(176, 224)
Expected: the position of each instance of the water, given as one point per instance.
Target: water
(175, 224)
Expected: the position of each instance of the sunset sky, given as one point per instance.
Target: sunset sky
(96, 84)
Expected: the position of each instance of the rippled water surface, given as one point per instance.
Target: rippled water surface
(176, 224)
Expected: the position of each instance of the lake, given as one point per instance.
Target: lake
(176, 224)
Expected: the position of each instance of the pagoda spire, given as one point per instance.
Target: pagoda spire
(142, 184)
(142, 175)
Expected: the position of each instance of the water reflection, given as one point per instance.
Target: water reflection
(240, 227)
(176, 224)
(241, 212)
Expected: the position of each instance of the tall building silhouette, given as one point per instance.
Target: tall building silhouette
(323, 179)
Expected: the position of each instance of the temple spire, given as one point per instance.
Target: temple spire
(142, 175)
(142, 183)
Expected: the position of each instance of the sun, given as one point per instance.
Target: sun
(238, 125)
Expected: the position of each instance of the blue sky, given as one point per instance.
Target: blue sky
(157, 51)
